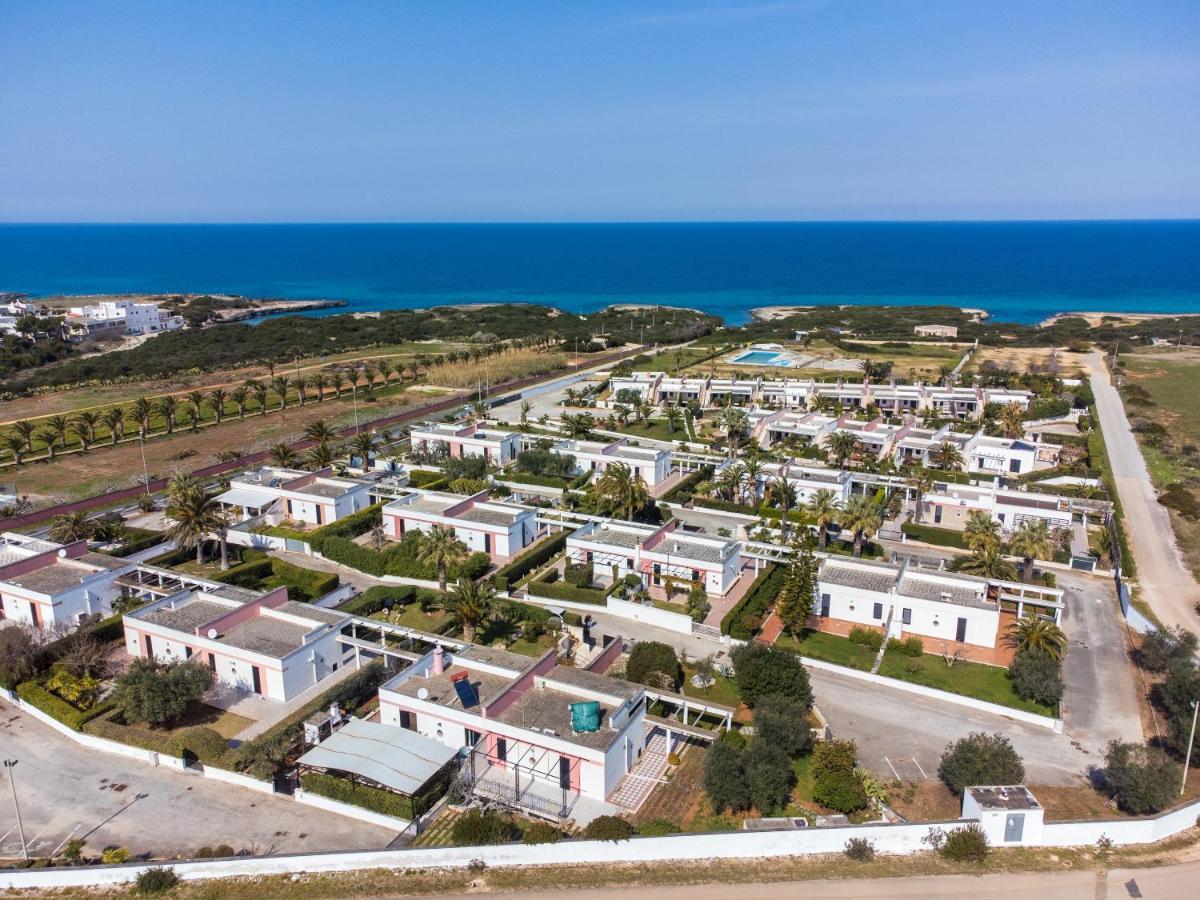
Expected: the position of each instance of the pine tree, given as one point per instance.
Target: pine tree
(795, 602)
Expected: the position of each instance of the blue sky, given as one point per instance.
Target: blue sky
(519, 111)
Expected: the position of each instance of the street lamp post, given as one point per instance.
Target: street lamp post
(1191, 740)
(11, 765)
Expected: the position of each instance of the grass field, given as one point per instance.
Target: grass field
(830, 648)
(970, 679)
(724, 691)
(656, 429)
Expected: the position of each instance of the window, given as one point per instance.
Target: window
(472, 737)
(501, 749)
(960, 633)
(1014, 465)
(937, 514)
(825, 605)
(877, 611)
(906, 616)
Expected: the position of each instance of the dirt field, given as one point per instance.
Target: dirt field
(1026, 359)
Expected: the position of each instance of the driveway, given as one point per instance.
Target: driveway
(1166, 583)
(67, 791)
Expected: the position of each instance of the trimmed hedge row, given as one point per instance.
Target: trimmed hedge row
(738, 622)
(551, 481)
(372, 798)
(372, 599)
(682, 492)
(541, 553)
(303, 584)
(198, 742)
(1098, 453)
(35, 694)
(930, 534)
(419, 478)
(556, 590)
(350, 527)
(137, 539)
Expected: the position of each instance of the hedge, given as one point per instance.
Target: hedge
(682, 492)
(399, 558)
(350, 527)
(757, 601)
(303, 584)
(35, 694)
(1098, 453)
(530, 478)
(726, 505)
(372, 599)
(372, 798)
(419, 478)
(136, 540)
(555, 590)
(106, 726)
(541, 553)
(947, 537)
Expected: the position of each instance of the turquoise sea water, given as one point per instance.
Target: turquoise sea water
(1017, 271)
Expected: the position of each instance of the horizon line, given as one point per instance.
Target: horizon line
(594, 222)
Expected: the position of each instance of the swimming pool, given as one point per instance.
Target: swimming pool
(761, 358)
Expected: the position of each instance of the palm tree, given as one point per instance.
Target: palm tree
(25, 429)
(89, 419)
(988, 562)
(261, 392)
(319, 381)
(470, 605)
(1032, 632)
(826, 511)
(281, 455)
(981, 532)
(240, 395)
(1030, 540)
(181, 483)
(301, 385)
(752, 467)
(15, 444)
(385, 370)
(217, 398)
(80, 430)
(337, 379)
(579, 426)
(50, 439)
(60, 425)
(733, 422)
(280, 384)
(621, 411)
(193, 515)
(196, 401)
(319, 431)
(442, 548)
(863, 518)
(526, 406)
(321, 455)
(922, 482)
(841, 444)
(114, 420)
(67, 529)
(141, 413)
(363, 445)
(1011, 420)
(946, 455)
(673, 417)
(168, 408)
(620, 492)
(780, 490)
(945, 372)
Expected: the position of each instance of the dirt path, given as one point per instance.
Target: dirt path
(1167, 584)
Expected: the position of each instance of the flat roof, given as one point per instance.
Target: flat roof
(593, 681)
(246, 497)
(878, 578)
(396, 758)
(187, 616)
(1008, 796)
(313, 613)
(55, 577)
(490, 516)
(268, 635)
(615, 537)
(441, 689)
(686, 548)
(548, 710)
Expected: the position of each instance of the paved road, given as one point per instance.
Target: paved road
(67, 791)
(1166, 583)
(1165, 883)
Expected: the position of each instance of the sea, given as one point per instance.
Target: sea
(1016, 271)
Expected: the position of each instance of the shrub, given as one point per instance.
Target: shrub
(743, 619)
(761, 671)
(1037, 676)
(366, 796)
(157, 693)
(476, 828)
(373, 599)
(769, 776)
(859, 850)
(204, 744)
(541, 833)
(52, 705)
(780, 722)
(154, 881)
(835, 782)
(654, 663)
(657, 828)
(725, 778)
(1141, 779)
(966, 844)
(866, 637)
(608, 828)
(980, 758)
(542, 552)
(1162, 647)
(733, 739)
(1177, 694)
(114, 856)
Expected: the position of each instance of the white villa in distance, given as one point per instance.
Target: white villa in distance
(498, 529)
(262, 644)
(458, 440)
(127, 317)
(314, 498)
(49, 585)
(654, 466)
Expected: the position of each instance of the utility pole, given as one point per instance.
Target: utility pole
(11, 765)
(145, 468)
(1191, 740)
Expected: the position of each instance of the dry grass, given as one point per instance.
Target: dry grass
(1049, 360)
(495, 369)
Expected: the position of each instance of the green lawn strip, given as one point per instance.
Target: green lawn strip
(724, 690)
(983, 682)
(832, 648)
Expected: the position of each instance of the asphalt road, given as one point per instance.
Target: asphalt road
(67, 791)
(1165, 883)
(1166, 583)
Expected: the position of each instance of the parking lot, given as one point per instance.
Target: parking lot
(67, 791)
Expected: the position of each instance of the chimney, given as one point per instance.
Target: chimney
(439, 660)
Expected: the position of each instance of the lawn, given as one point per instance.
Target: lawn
(831, 648)
(724, 691)
(970, 679)
(224, 723)
(675, 360)
(413, 617)
(657, 429)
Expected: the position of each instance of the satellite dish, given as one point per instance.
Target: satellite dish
(212, 634)
(423, 693)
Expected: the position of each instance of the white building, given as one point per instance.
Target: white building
(314, 498)
(125, 316)
(806, 480)
(261, 644)
(946, 331)
(949, 505)
(654, 466)
(980, 453)
(457, 440)
(49, 585)
(548, 739)
(498, 529)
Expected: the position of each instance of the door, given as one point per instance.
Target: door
(149, 648)
(1014, 827)
(33, 614)
(825, 605)
(256, 679)
(564, 773)
(501, 749)
(960, 633)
